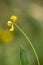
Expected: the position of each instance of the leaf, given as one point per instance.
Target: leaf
(23, 57)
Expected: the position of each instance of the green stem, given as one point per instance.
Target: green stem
(28, 41)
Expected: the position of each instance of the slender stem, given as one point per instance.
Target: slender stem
(28, 42)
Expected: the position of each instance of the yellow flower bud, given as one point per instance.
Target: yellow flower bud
(12, 28)
(14, 18)
(9, 23)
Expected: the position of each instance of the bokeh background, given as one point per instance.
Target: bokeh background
(30, 18)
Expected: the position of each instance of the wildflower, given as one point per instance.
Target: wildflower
(14, 18)
(10, 23)
(12, 28)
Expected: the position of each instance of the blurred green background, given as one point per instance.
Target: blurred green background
(30, 18)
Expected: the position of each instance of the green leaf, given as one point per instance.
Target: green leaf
(23, 57)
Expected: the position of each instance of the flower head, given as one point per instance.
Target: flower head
(14, 18)
(10, 23)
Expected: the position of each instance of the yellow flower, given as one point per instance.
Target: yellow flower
(14, 18)
(9, 23)
(12, 28)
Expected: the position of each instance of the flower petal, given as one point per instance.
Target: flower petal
(12, 28)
